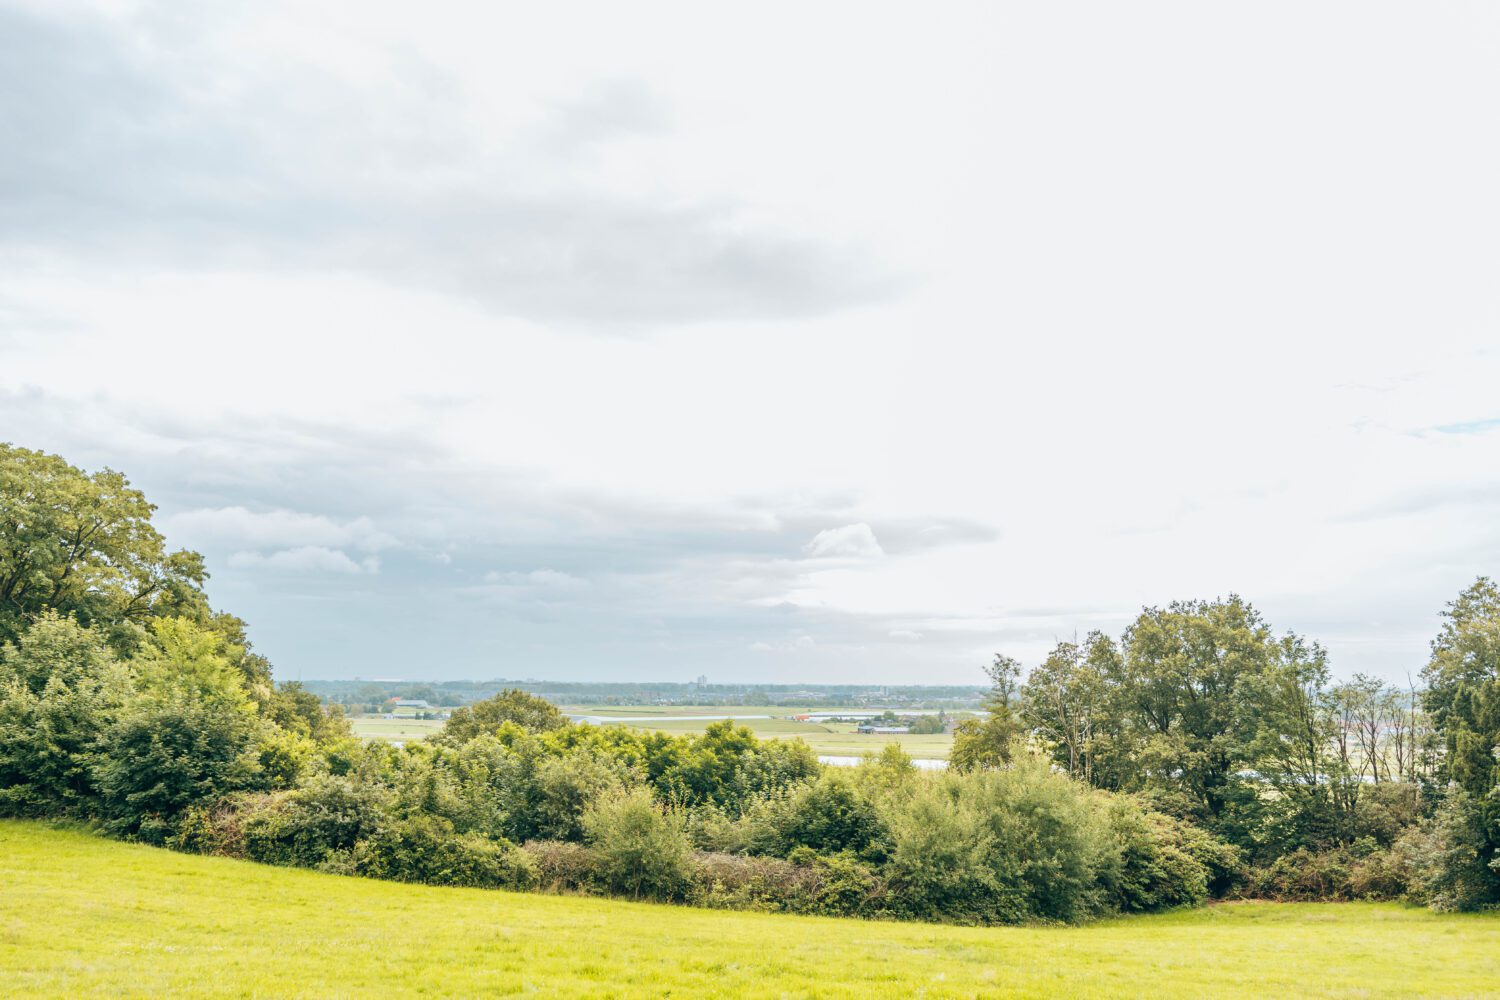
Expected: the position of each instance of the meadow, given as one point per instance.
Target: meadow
(767, 722)
(84, 916)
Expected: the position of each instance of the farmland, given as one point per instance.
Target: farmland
(775, 722)
(87, 916)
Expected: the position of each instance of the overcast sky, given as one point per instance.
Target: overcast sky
(803, 342)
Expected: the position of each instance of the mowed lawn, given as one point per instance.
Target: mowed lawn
(83, 916)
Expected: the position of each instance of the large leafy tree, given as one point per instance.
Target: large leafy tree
(82, 544)
(1187, 721)
(1463, 696)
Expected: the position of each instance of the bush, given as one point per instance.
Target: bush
(832, 815)
(938, 867)
(1154, 870)
(562, 867)
(326, 815)
(1362, 870)
(642, 849)
(426, 849)
(158, 760)
(1447, 857)
(736, 882)
(564, 789)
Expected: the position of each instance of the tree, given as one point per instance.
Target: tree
(1304, 747)
(60, 687)
(1463, 696)
(189, 735)
(83, 545)
(1186, 722)
(980, 743)
(298, 710)
(1065, 701)
(530, 712)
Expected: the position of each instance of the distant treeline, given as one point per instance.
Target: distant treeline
(367, 695)
(1199, 754)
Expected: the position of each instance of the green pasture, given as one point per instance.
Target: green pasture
(82, 916)
(824, 738)
(401, 729)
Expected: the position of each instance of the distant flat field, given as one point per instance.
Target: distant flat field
(82, 916)
(838, 739)
(835, 739)
(400, 730)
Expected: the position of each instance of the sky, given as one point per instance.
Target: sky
(782, 343)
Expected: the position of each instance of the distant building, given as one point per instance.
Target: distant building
(411, 703)
(874, 730)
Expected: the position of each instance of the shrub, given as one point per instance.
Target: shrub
(160, 759)
(832, 815)
(642, 849)
(1447, 857)
(938, 867)
(565, 787)
(736, 882)
(328, 814)
(1154, 871)
(1362, 870)
(561, 866)
(425, 849)
(844, 886)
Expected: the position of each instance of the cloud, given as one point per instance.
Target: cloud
(798, 644)
(547, 579)
(179, 143)
(850, 541)
(240, 527)
(305, 559)
(904, 633)
(1470, 426)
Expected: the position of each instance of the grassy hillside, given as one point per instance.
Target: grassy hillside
(85, 916)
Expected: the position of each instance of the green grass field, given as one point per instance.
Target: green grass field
(824, 738)
(400, 730)
(82, 916)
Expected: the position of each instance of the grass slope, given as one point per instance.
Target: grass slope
(84, 916)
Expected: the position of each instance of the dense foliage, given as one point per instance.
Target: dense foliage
(1197, 756)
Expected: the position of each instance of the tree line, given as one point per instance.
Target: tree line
(1198, 755)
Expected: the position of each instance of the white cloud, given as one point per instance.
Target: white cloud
(904, 633)
(241, 527)
(545, 579)
(305, 559)
(852, 540)
(1131, 361)
(797, 644)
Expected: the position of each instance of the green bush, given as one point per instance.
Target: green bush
(562, 866)
(426, 849)
(642, 849)
(832, 815)
(1154, 871)
(1448, 857)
